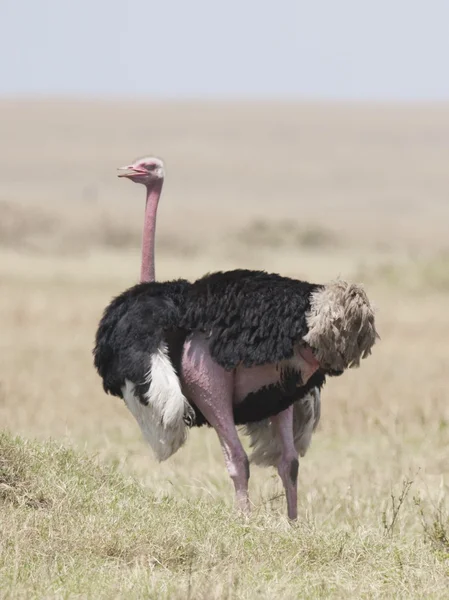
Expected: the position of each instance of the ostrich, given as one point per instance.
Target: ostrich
(233, 348)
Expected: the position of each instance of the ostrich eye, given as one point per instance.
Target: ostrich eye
(151, 167)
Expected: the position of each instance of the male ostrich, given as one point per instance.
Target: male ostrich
(233, 348)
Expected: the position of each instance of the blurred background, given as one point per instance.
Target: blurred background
(308, 138)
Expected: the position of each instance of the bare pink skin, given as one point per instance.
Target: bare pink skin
(147, 269)
(288, 465)
(251, 379)
(213, 389)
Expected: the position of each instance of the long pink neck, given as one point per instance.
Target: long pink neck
(147, 272)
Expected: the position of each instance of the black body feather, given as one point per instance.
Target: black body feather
(251, 317)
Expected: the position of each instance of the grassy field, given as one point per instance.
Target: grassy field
(309, 191)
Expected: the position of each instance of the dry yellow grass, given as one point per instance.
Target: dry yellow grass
(246, 186)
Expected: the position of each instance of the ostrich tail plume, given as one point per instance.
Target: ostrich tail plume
(341, 325)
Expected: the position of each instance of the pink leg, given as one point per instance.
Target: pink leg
(211, 388)
(288, 465)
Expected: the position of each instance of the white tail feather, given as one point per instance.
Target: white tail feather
(162, 419)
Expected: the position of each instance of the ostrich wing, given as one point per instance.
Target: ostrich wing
(252, 317)
(132, 328)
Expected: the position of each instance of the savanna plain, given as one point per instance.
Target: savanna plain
(307, 190)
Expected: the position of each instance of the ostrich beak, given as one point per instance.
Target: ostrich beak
(128, 169)
(131, 170)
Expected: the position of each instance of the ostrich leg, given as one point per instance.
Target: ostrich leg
(288, 464)
(211, 389)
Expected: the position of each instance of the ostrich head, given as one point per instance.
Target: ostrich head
(148, 171)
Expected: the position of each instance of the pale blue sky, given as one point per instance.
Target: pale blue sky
(325, 49)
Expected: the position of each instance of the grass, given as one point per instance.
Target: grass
(85, 511)
(71, 526)
(286, 234)
(428, 273)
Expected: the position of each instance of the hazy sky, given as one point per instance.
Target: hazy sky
(361, 49)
